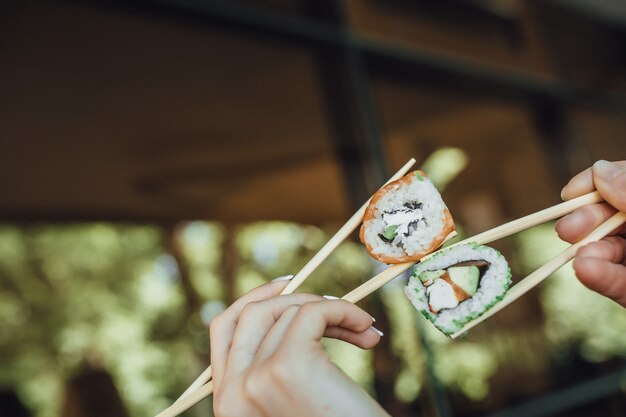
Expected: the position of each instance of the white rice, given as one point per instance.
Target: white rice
(432, 208)
(492, 286)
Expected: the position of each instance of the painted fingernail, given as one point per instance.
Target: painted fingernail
(331, 297)
(283, 278)
(378, 332)
(606, 170)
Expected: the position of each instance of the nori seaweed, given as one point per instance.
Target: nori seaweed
(421, 295)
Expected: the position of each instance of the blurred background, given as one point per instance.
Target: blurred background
(160, 158)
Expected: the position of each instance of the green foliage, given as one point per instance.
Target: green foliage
(575, 316)
(405, 341)
(90, 292)
(202, 249)
(272, 249)
(111, 294)
(444, 165)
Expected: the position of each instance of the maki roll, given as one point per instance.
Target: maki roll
(405, 220)
(458, 284)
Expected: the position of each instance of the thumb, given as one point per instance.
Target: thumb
(610, 181)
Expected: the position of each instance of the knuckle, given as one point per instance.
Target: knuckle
(308, 309)
(253, 385)
(292, 309)
(220, 406)
(215, 326)
(279, 371)
(248, 311)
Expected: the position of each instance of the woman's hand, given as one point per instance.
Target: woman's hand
(598, 265)
(267, 359)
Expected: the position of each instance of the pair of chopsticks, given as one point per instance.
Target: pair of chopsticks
(543, 272)
(341, 235)
(202, 387)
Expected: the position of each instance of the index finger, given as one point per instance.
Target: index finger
(313, 319)
(582, 183)
(222, 328)
(256, 320)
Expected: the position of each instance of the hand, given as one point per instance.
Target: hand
(267, 359)
(598, 265)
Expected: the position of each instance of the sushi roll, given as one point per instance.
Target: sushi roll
(405, 220)
(458, 284)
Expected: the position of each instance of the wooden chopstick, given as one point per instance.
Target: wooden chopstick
(341, 235)
(535, 278)
(393, 271)
(189, 400)
(531, 220)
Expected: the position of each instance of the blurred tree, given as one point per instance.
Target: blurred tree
(100, 291)
(134, 301)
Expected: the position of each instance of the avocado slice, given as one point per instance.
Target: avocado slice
(427, 276)
(390, 232)
(465, 277)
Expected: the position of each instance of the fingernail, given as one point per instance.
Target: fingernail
(605, 170)
(577, 218)
(381, 334)
(563, 193)
(283, 278)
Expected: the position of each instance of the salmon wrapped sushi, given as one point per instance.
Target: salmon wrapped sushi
(458, 284)
(405, 220)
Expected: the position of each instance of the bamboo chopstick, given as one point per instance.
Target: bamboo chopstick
(546, 270)
(393, 271)
(190, 399)
(531, 220)
(341, 235)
